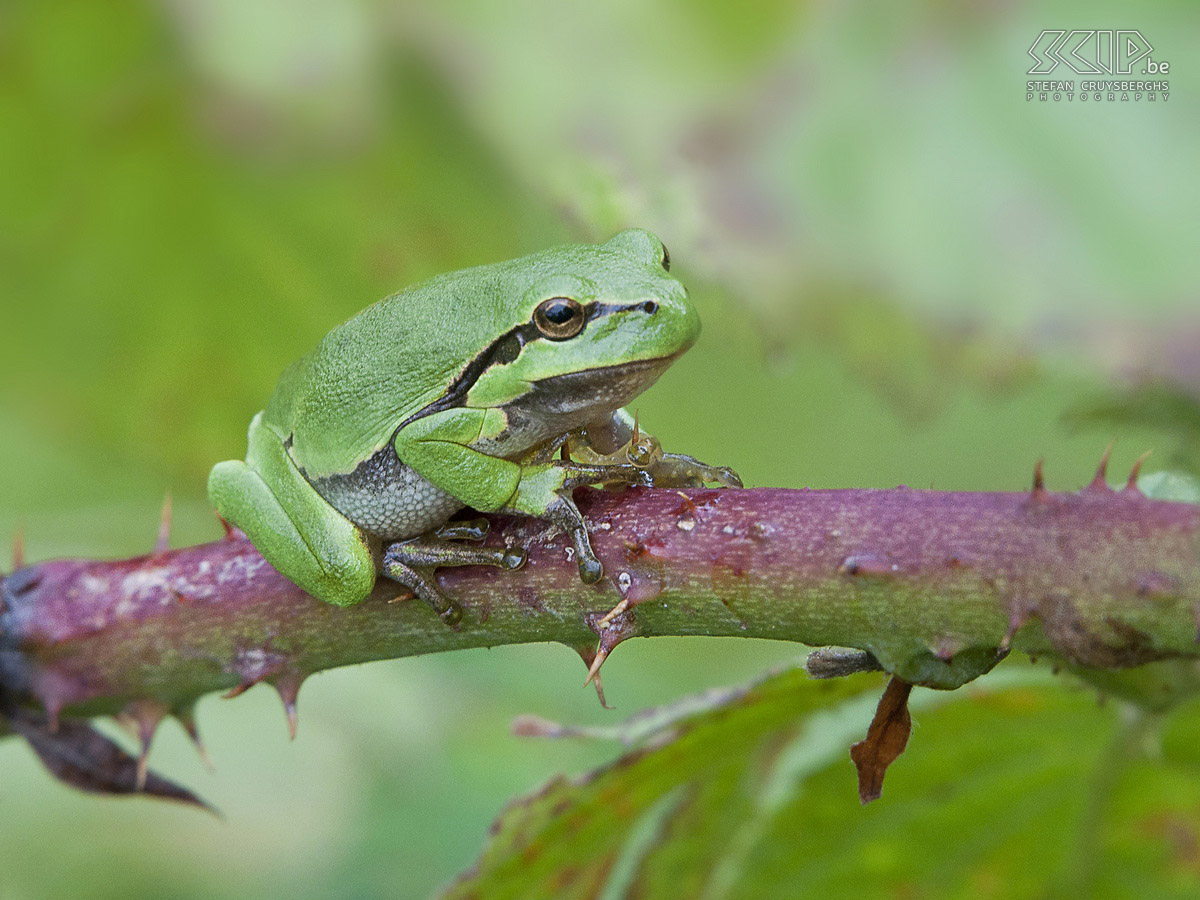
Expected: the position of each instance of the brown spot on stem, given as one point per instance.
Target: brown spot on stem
(634, 550)
(687, 507)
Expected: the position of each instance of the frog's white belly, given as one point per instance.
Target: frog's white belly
(386, 498)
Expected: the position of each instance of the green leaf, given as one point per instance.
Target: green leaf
(1013, 787)
(654, 815)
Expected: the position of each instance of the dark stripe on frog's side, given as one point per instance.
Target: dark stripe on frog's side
(500, 352)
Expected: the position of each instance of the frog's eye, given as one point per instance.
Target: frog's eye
(666, 260)
(559, 318)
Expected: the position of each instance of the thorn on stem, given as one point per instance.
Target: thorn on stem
(594, 669)
(587, 653)
(1132, 483)
(142, 717)
(187, 718)
(612, 628)
(288, 686)
(617, 610)
(1099, 482)
(946, 649)
(599, 686)
(55, 691)
(225, 526)
(1039, 494)
(162, 543)
(18, 549)
(239, 689)
(1016, 618)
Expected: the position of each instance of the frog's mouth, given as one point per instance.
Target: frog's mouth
(606, 387)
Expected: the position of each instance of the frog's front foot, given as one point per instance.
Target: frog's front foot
(673, 470)
(412, 563)
(651, 467)
(677, 470)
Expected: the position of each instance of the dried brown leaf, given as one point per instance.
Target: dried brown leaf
(885, 741)
(82, 757)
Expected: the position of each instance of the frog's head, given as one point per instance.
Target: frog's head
(597, 325)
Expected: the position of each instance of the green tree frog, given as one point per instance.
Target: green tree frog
(459, 392)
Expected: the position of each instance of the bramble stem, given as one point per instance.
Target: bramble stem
(933, 584)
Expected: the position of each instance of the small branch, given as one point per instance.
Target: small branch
(935, 586)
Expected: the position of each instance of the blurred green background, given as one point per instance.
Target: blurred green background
(908, 274)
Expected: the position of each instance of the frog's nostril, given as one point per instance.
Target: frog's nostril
(650, 307)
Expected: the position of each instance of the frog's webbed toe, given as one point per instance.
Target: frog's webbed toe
(412, 563)
(678, 470)
(464, 530)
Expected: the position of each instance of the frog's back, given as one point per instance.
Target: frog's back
(343, 401)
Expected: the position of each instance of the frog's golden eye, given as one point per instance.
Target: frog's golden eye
(559, 318)
(666, 260)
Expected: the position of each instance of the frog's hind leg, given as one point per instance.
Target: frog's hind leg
(412, 563)
(289, 523)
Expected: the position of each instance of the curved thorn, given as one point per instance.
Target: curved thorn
(1131, 484)
(225, 526)
(187, 718)
(162, 543)
(1039, 491)
(238, 690)
(613, 613)
(587, 653)
(288, 687)
(1100, 481)
(599, 686)
(143, 717)
(594, 668)
(18, 549)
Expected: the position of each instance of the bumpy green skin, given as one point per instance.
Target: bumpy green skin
(449, 394)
